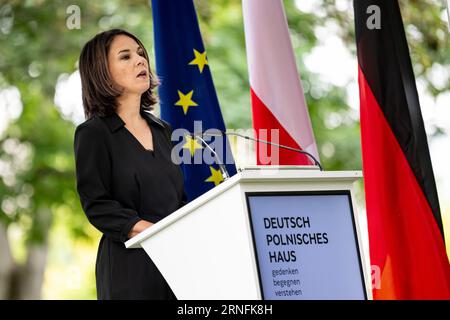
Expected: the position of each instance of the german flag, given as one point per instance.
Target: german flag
(404, 221)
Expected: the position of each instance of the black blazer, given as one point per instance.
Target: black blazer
(120, 182)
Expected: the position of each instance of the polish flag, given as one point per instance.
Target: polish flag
(276, 91)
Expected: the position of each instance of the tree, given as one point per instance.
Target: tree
(37, 153)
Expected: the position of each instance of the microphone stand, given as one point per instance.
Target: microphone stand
(316, 162)
(222, 167)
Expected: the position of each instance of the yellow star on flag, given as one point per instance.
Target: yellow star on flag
(216, 176)
(191, 144)
(200, 60)
(186, 101)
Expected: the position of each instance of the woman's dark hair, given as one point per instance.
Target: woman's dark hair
(99, 91)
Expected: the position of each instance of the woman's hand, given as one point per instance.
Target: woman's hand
(139, 227)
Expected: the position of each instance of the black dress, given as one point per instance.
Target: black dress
(120, 182)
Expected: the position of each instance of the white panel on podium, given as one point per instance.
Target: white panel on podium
(205, 250)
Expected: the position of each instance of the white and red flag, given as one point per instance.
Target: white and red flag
(276, 91)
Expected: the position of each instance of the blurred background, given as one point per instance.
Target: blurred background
(47, 246)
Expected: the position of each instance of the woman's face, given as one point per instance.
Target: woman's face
(128, 66)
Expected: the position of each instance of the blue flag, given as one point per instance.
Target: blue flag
(187, 96)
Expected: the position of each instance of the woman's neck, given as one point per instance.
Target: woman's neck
(128, 108)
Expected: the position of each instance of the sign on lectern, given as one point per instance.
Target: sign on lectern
(306, 245)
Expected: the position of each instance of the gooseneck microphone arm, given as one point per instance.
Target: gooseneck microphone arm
(222, 167)
(316, 162)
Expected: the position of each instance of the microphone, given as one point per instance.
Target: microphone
(316, 162)
(222, 167)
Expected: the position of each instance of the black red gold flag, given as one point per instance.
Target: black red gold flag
(404, 221)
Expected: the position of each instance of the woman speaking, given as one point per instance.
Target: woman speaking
(125, 177)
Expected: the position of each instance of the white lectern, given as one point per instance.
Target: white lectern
(265, 233)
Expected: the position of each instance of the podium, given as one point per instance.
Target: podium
(266, 233)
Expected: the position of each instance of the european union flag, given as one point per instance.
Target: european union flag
(187, 96)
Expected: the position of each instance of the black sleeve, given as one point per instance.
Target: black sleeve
(169, 130)
(93, 172)
(184, 200)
